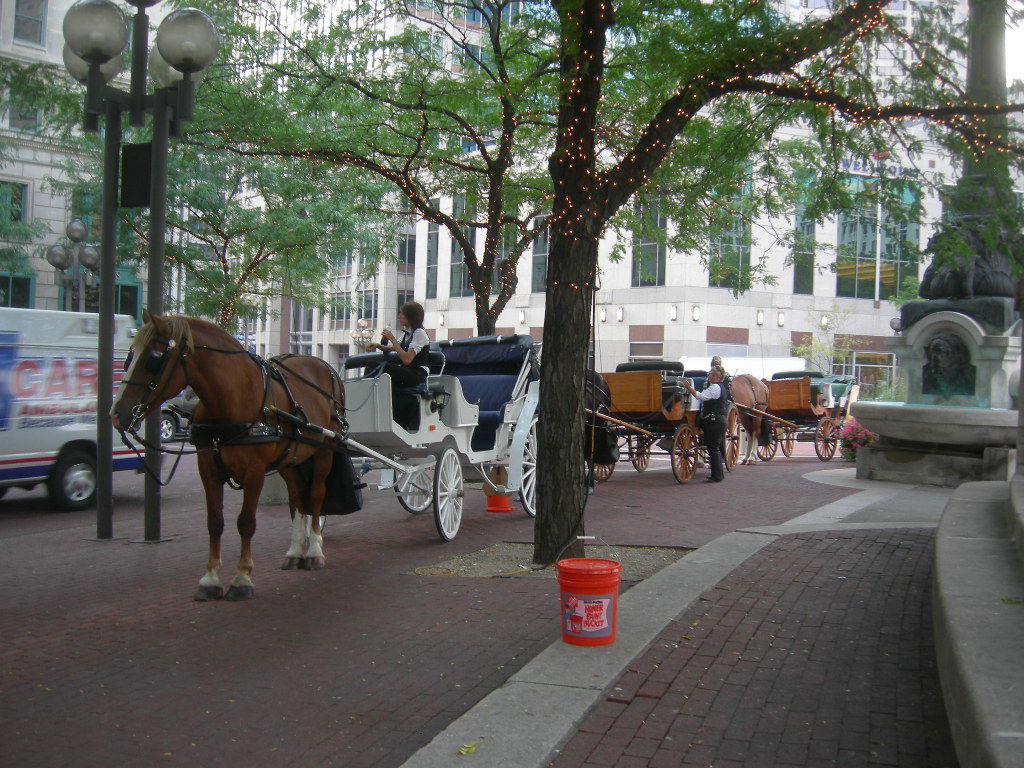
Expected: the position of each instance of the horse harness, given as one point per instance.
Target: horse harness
(214, 436)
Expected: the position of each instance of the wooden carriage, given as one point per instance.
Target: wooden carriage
(651, 409)
(806, 406)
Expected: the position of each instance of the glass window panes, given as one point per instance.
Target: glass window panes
(729, 265)
(539, 272)
(15, 291)
(407, 253)
(803, 254)
(29, 20)
(23, 118)
(649, 248)
(646, 350)
(13, 202)
(868, 267)
(432, 246)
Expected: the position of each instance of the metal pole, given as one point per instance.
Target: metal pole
(155, 293)
(105, 375)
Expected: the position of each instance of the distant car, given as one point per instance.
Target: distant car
(176, 415)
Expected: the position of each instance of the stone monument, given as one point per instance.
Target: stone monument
(961, 360)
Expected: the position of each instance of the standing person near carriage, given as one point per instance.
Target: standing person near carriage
(714, 402)
(413, 349)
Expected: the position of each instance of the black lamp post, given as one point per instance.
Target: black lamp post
(96, 35)
(83, 261)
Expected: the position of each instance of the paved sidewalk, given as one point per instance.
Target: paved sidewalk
(105, 659)
(801, 644)
(816, 651)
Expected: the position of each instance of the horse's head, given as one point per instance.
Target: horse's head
(154, 369)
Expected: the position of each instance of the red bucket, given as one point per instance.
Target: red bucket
(589, 600)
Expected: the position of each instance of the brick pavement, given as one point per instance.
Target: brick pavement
(106, 660)
(815, 652)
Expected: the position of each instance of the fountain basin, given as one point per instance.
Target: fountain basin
(946, 425)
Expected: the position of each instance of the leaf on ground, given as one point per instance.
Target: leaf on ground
(1013, 601)
(468, 749)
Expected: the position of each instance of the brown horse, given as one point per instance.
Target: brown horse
(238, 429)
(750, 391)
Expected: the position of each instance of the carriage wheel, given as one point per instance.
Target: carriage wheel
(448, 494)
(732, 437)
(788, 442)
(825, 439)
(685, 445)
(767, 452)
(640, 451)
(528, 485)
(415, 491)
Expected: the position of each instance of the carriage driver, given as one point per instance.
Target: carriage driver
(714, 401)
(413, 349)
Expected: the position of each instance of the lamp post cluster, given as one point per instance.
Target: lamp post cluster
(96, 34)
(362, 334)
(82, 260)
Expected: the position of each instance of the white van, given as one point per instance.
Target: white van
(48, 377)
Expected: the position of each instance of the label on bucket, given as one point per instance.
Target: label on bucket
(586, 615)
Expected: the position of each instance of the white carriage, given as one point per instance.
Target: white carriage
(472, 423)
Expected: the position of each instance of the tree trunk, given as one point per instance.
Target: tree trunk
(561, 494)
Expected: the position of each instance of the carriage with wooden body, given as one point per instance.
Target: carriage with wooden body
(472, 422)
(805, 406)
(649, 408)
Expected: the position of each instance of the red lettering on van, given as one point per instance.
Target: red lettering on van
(86, 372)
(57, 383)
(27, 378)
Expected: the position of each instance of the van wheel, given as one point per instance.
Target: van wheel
(168, 427)
(72, 482)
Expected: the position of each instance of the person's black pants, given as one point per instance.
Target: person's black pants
(714, 441)
(404, 376)
(405, 406)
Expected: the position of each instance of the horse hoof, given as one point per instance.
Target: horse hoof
(236, 593)
(314, 563)
(205, 594)
(291, 564)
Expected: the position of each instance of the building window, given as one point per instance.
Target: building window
(649, 248)
(367, 309)
(727, 350)
(13, 202)
(407, 253)
(339, 311)
(873, 260)
(29, 20)
(432, 248)
(463, 213)
(539, 274)
(15, 291)
(460, 285)
(403, 298)
(729, 265)
(646, 350)
(301, 336)
(23, 118)
(872, 370)
(126, 300)
(803, 253)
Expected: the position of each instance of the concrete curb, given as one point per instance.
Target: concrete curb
(979, 623)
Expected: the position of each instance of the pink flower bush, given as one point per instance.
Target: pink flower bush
(853, 436)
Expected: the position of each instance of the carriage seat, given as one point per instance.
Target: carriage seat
(488, 368)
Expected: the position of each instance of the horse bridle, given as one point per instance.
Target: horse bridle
(153, 361)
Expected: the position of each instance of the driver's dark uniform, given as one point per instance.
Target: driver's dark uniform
(711, 421)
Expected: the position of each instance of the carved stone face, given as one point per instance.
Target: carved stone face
(948, 370)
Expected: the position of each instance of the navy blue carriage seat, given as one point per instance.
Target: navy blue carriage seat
(487, 367)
